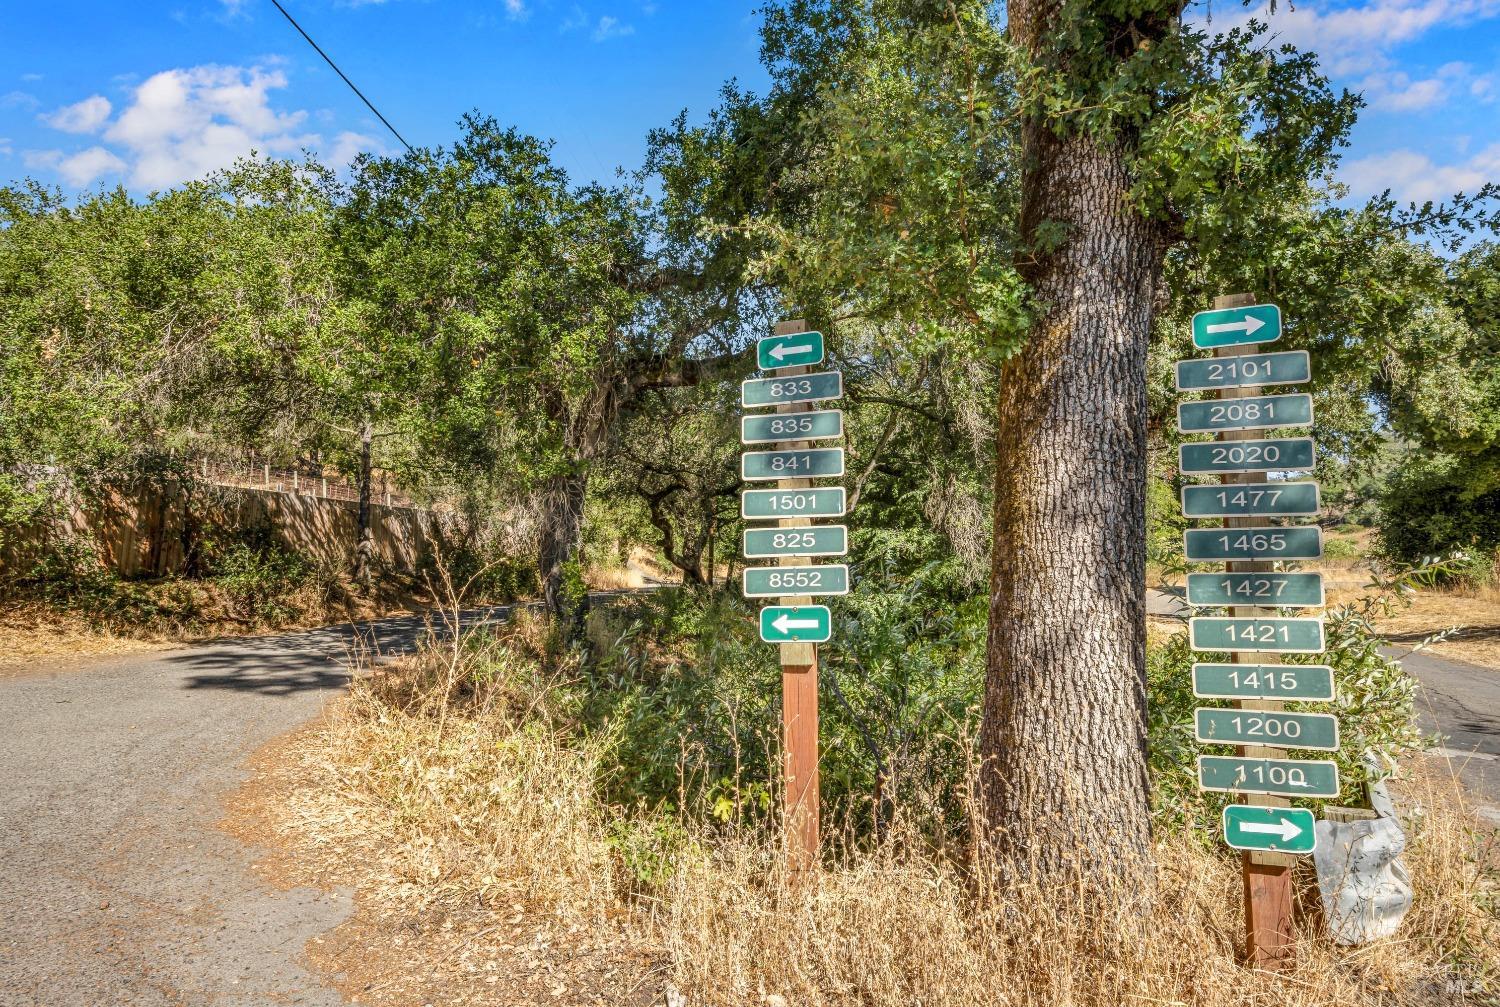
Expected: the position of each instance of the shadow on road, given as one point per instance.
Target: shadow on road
(313, 660)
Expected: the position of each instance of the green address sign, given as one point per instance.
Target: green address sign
(795, 350)
(1255, 323)
(1278, 499)
(1314, 731)
(774, 427)
(770, 505)
(802, 388)
(808, 463)
(1287, 636)
(820, 540)
(1286, 777)
(791, 581)
(1311, 682)
(1256, 412)
(1268, 590)
(1281, 830)
(1287, 455)
(1234, 545)
(796, 624)
(1290, 367)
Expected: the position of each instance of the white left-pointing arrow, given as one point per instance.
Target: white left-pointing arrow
(785, 624)
(1286, 829)
(783, 351)
(1249, 326)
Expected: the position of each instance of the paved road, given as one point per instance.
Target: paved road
(116, 887)
(1457, 700)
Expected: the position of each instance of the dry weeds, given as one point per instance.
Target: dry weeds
(31, 635)
(475, 837)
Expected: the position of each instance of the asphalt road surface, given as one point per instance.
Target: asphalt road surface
(116, 887)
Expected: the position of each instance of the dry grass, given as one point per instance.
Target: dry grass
(31, 635)
(443, 791)
(1473, 615)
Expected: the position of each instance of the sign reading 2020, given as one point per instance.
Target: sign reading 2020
(1253, 598)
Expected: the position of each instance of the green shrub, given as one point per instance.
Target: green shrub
(1427, 510)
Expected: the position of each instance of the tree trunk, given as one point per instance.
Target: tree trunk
(563, 591)
(364, 547)
(1063, 787)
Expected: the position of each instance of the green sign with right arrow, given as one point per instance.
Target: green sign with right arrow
(1280, 830)
(1255, 323)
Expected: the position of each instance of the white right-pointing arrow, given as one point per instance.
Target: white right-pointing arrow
(1249, 326)
(782, 351)
(785, 623)
(1286, 829)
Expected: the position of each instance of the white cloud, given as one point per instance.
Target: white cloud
(515, 9)
(183, 124)
(186, 123)
(611, 27)
(86, 166)
(35, 159)
(1396, 91)
(18, 99)
(1355, 38)
(1413, 176)
(85, 116)
(5, 148)
(349, 145)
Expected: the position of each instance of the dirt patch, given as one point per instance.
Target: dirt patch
(405, 947)
(1471, 620)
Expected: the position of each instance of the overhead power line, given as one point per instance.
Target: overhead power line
(327, 59)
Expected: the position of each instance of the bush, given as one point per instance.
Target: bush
(1427, 510)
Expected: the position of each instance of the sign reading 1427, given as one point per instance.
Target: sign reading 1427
(1257, 323)
(796, 350)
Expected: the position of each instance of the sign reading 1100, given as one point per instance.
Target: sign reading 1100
(1254, 601)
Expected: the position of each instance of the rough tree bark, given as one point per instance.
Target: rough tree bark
(560, 544)
(364, 545)
(1064, 785)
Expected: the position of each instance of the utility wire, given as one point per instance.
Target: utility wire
(341, 73)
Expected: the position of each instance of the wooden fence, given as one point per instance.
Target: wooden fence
(150, 531)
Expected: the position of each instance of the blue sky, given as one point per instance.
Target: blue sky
(97, 93)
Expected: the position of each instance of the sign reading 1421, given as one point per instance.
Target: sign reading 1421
(1257, 323)
(797, 349)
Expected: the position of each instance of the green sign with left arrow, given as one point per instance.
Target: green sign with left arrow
(1257, 323)
(1282, 830)
(796, 350)
(795, 624)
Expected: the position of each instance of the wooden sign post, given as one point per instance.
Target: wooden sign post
(799, 682)
(1253, 466)
(1267, 876)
